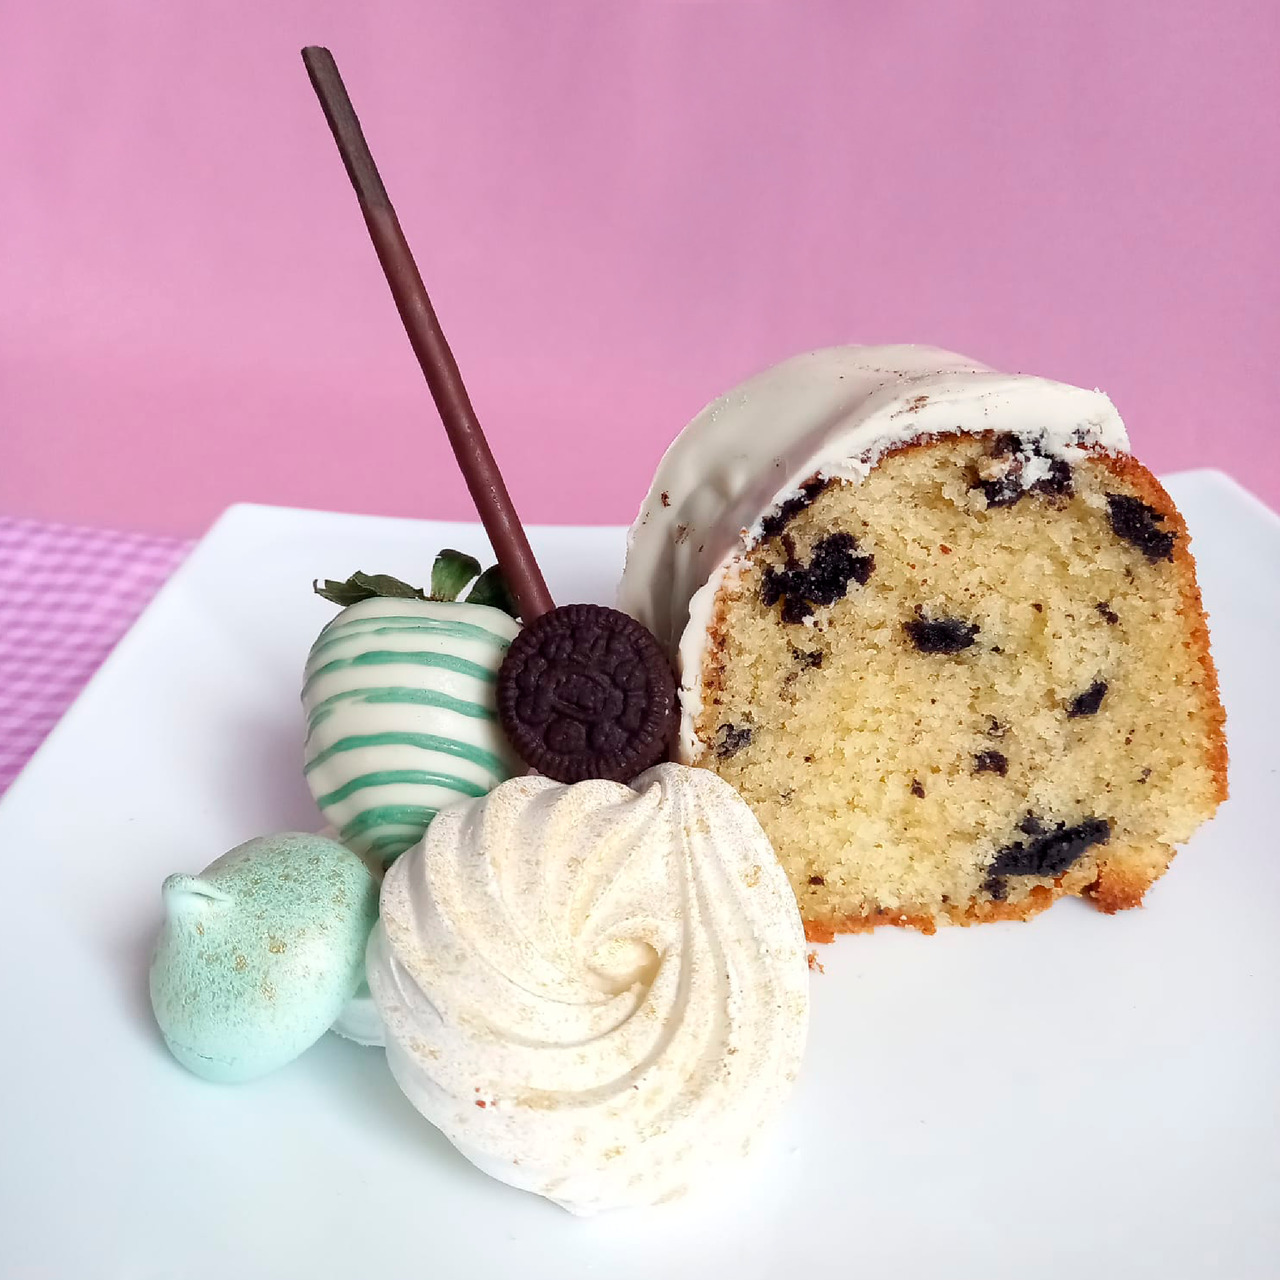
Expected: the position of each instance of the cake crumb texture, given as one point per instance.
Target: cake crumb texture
(949, 699)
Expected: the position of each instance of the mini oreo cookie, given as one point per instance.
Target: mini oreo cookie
(586, 692)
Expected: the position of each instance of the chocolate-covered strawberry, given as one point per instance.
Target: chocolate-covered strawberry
(400, 699)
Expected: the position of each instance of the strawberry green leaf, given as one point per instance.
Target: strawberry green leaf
(491, 589)
(451, 572)
(366, 586)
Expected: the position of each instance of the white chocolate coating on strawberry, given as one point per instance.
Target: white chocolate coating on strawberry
(401, 717)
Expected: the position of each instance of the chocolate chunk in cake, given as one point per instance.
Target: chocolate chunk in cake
(941, 635)
(731, 738)
(1088, 702)
(1048, 854)
(1016, 467)
(836, 561)
(991, 762)
(1135, 522)
(774, 523)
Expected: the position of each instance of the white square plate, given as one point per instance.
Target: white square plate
(1076, 1095)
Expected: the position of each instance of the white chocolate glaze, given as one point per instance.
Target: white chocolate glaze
(597, 992)
(829, 413)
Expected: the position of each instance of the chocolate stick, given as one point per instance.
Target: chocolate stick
(479, 469)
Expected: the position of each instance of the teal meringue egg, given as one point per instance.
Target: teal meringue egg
(260, 952)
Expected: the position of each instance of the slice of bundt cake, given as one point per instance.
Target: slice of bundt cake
(942, 633)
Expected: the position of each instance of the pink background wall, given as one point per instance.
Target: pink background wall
(621, 209)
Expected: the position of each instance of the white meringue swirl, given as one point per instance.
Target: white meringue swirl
(597, 992)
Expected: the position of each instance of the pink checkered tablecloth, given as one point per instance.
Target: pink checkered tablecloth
(67, 595)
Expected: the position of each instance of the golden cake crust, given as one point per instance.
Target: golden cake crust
(1113, 888)
(1152, 492)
